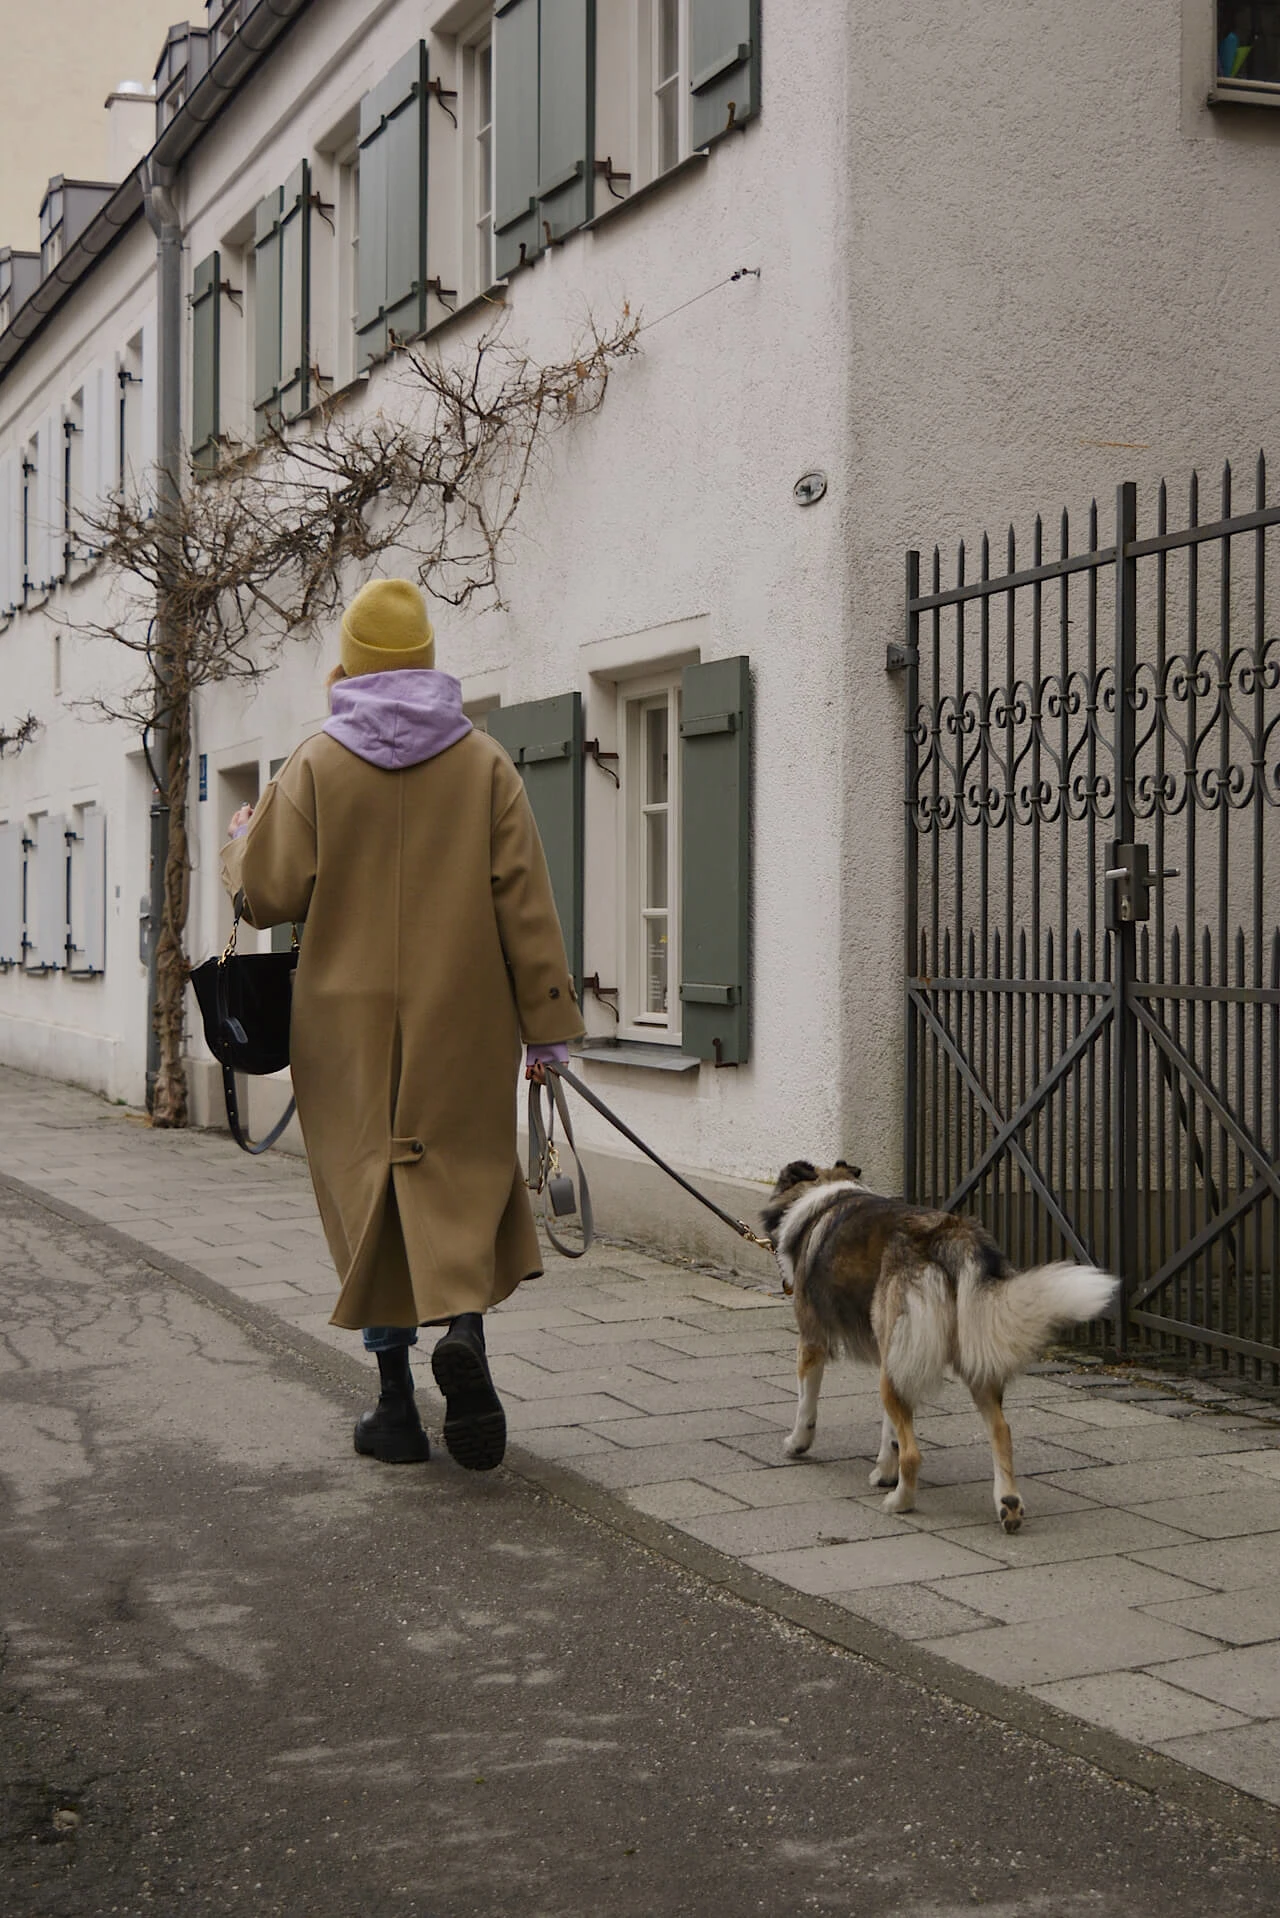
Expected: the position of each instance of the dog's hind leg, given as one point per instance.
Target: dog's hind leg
(885, 1469)
(903, 1496)
(1009, 1507)
(811, 1362)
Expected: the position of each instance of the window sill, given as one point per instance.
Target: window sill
(1244, 93)
(693, 163)
(650, 1058)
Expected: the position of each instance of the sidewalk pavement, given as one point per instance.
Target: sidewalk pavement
(1142, 1596)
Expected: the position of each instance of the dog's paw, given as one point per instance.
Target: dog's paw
(797, 1443)
(881, 1475)
(1011, 1512)
(899, 1499)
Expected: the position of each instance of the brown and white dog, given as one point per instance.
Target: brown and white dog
(921, 1293)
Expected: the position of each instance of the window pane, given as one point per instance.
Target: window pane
(655, 753)
(1249, 40)
(668, 39)
(655, 864)
(484, 86)
(668, 127)
(655, 972)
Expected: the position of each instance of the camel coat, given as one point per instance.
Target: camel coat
(432, 948)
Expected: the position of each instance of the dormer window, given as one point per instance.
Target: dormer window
(182, 66)
(19, 278)
(224, 22)
(51, 230)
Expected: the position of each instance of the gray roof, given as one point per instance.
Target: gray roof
(265, 23)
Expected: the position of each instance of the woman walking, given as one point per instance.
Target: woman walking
(404, 839)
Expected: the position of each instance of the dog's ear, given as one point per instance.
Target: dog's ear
(854, 1171)
(799, 1172)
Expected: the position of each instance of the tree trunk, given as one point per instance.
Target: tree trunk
(169, 1104)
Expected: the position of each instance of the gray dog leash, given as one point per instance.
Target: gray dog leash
(548, 1164)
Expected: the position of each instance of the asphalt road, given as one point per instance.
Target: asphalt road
(243, 1671)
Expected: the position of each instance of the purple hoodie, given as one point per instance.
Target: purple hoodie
(395, 720)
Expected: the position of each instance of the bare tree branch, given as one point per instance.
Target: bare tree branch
(213, 585)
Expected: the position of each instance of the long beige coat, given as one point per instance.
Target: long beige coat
(432, 948)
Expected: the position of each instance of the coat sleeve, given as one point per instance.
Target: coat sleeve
(527, 922)
(274, 865)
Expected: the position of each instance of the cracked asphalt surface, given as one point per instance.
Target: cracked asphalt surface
(244, 1671)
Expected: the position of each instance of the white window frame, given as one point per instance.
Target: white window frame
(73, 484)
(636, 697)
(475, 54)
(672, 82)
(348, 287)
(129, 465)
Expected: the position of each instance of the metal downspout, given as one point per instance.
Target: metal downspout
(162, 216)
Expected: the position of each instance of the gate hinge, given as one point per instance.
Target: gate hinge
(897, 657)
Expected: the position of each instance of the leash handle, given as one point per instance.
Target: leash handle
(542, 1150)
(739, 1226)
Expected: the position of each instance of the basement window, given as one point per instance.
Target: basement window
(1248, 50)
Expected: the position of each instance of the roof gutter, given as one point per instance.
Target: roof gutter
(268, 22)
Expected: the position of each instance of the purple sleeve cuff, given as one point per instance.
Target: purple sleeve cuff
(557, 1055)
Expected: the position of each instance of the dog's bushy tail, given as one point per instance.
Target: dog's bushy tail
(1003, 1325)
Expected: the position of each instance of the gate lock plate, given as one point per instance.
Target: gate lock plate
(1129, 881)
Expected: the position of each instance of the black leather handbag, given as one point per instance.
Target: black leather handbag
(246, 1002)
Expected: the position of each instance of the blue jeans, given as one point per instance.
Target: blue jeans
(388, 1338)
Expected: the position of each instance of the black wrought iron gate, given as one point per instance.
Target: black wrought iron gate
(1092, 926)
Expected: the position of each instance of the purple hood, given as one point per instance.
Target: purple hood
(398, 719)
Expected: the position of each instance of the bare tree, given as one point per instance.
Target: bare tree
(217, 577)
(22, 732)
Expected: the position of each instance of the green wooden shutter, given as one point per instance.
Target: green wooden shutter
(266, 310)
(715, 802)
(371, 261)
(406, 138)
(724, 66)
(392, 188)
(206, 299)
(295, 293)
(517, 237)
(566, 116)
(544, 738)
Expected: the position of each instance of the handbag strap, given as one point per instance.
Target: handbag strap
(233, 1117)
(544, 1161)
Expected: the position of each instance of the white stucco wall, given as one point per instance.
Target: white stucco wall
(88, 1030)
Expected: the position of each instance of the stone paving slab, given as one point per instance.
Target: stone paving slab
(1142, 1594)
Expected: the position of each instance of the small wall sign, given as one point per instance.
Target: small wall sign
(809, 488)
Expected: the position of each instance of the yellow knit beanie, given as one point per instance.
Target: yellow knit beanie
(386, 628)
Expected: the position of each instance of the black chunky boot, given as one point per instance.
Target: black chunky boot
(393, 1431)
(475, 1425)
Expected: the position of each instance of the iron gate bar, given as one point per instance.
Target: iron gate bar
(1222, 1113)
(1029, 576)
(1213, 1228)
(1195, 1335)
(1009, 1129)
(1211, 995)
(1196, 535)
(1007, 1135)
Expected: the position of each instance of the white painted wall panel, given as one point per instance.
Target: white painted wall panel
(89, 893)
(47, 894)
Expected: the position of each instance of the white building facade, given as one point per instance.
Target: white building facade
(961, 276)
